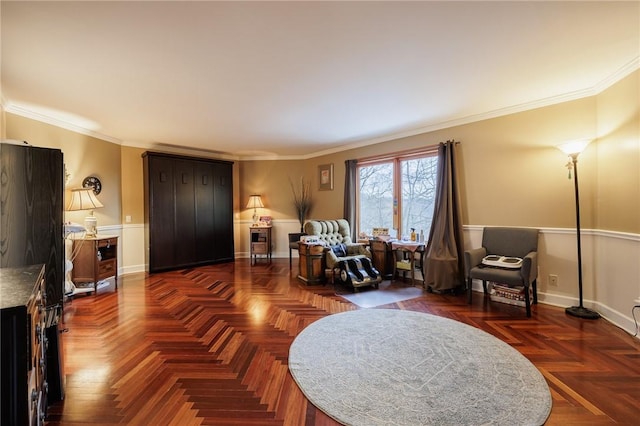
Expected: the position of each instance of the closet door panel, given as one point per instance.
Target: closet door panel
(161, 214)
(205, 236)
(223, 212)
(185, 224)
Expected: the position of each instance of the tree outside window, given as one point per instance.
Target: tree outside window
(414, 179)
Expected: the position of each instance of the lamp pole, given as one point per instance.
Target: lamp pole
(579, 311)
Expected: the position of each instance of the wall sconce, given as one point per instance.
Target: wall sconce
(85, 199)
(573, 149)
(254, 203)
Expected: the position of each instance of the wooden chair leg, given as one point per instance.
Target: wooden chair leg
(469, 287)
(290, 258)
(534, 285)
(527, 302)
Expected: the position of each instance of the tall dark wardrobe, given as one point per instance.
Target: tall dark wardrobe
(31, 233)
(188, 211)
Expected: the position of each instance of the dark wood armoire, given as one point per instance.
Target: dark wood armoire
(31, 197)
(188, 211)
(31, 235)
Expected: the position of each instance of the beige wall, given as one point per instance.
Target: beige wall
(83, 156)
(132, 187)
(271, 180)
(511, 172)
(618, 153)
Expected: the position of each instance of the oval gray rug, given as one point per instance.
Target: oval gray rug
(391, 367)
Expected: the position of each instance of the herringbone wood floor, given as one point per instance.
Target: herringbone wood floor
(208, 346)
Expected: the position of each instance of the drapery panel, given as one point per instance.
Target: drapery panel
(444, 257)
(350, 182)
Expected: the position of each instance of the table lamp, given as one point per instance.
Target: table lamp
(85, 199)
(254, 202)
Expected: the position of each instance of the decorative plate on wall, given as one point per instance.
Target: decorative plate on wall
(92, 182)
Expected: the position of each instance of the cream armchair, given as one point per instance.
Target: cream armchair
(336, 235)
(350, 261)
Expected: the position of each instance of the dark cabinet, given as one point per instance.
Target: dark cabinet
(32, 193)
(382, 255)
(188, 211)
(24, 346)
(31, 233)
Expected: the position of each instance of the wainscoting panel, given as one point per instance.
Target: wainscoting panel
(610, 270)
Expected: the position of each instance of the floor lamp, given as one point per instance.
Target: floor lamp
(573, 149)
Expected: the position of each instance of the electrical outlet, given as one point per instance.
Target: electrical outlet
(553, 280)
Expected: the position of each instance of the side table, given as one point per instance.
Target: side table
(382, 257)
(260, 243)
(312, 263)
(96, 260)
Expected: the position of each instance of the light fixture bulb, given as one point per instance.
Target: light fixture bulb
(574, 147)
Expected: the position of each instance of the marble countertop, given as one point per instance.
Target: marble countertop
(17, 284)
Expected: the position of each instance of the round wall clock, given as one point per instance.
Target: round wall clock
(92, 182)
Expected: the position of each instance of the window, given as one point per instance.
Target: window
(397, 192)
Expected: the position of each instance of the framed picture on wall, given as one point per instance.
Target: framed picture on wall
(325, 177)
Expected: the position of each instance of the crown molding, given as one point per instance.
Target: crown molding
(623, 72)
(27, 113)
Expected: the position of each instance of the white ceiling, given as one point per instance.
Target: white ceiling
(297, 79)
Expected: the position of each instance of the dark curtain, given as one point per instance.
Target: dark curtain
(444, 257)
(350, 195)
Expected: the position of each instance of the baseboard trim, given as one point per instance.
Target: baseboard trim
(614, 317)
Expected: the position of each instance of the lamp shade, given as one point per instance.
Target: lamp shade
(574, 147)
(255, 202)
(83, 199)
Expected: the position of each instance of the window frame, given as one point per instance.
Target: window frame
(396, 160)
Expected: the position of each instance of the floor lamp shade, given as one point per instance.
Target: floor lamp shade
(85, 199)
(573, 149)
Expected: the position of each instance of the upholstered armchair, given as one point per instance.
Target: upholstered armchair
(336, 235)
(510, 242)
(351, 262)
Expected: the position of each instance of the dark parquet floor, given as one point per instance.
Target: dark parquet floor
(208, 346)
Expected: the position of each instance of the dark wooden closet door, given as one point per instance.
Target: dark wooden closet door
(160, 213)
(188, 210)
(223, 212)
(185, 223)
(205, 236)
